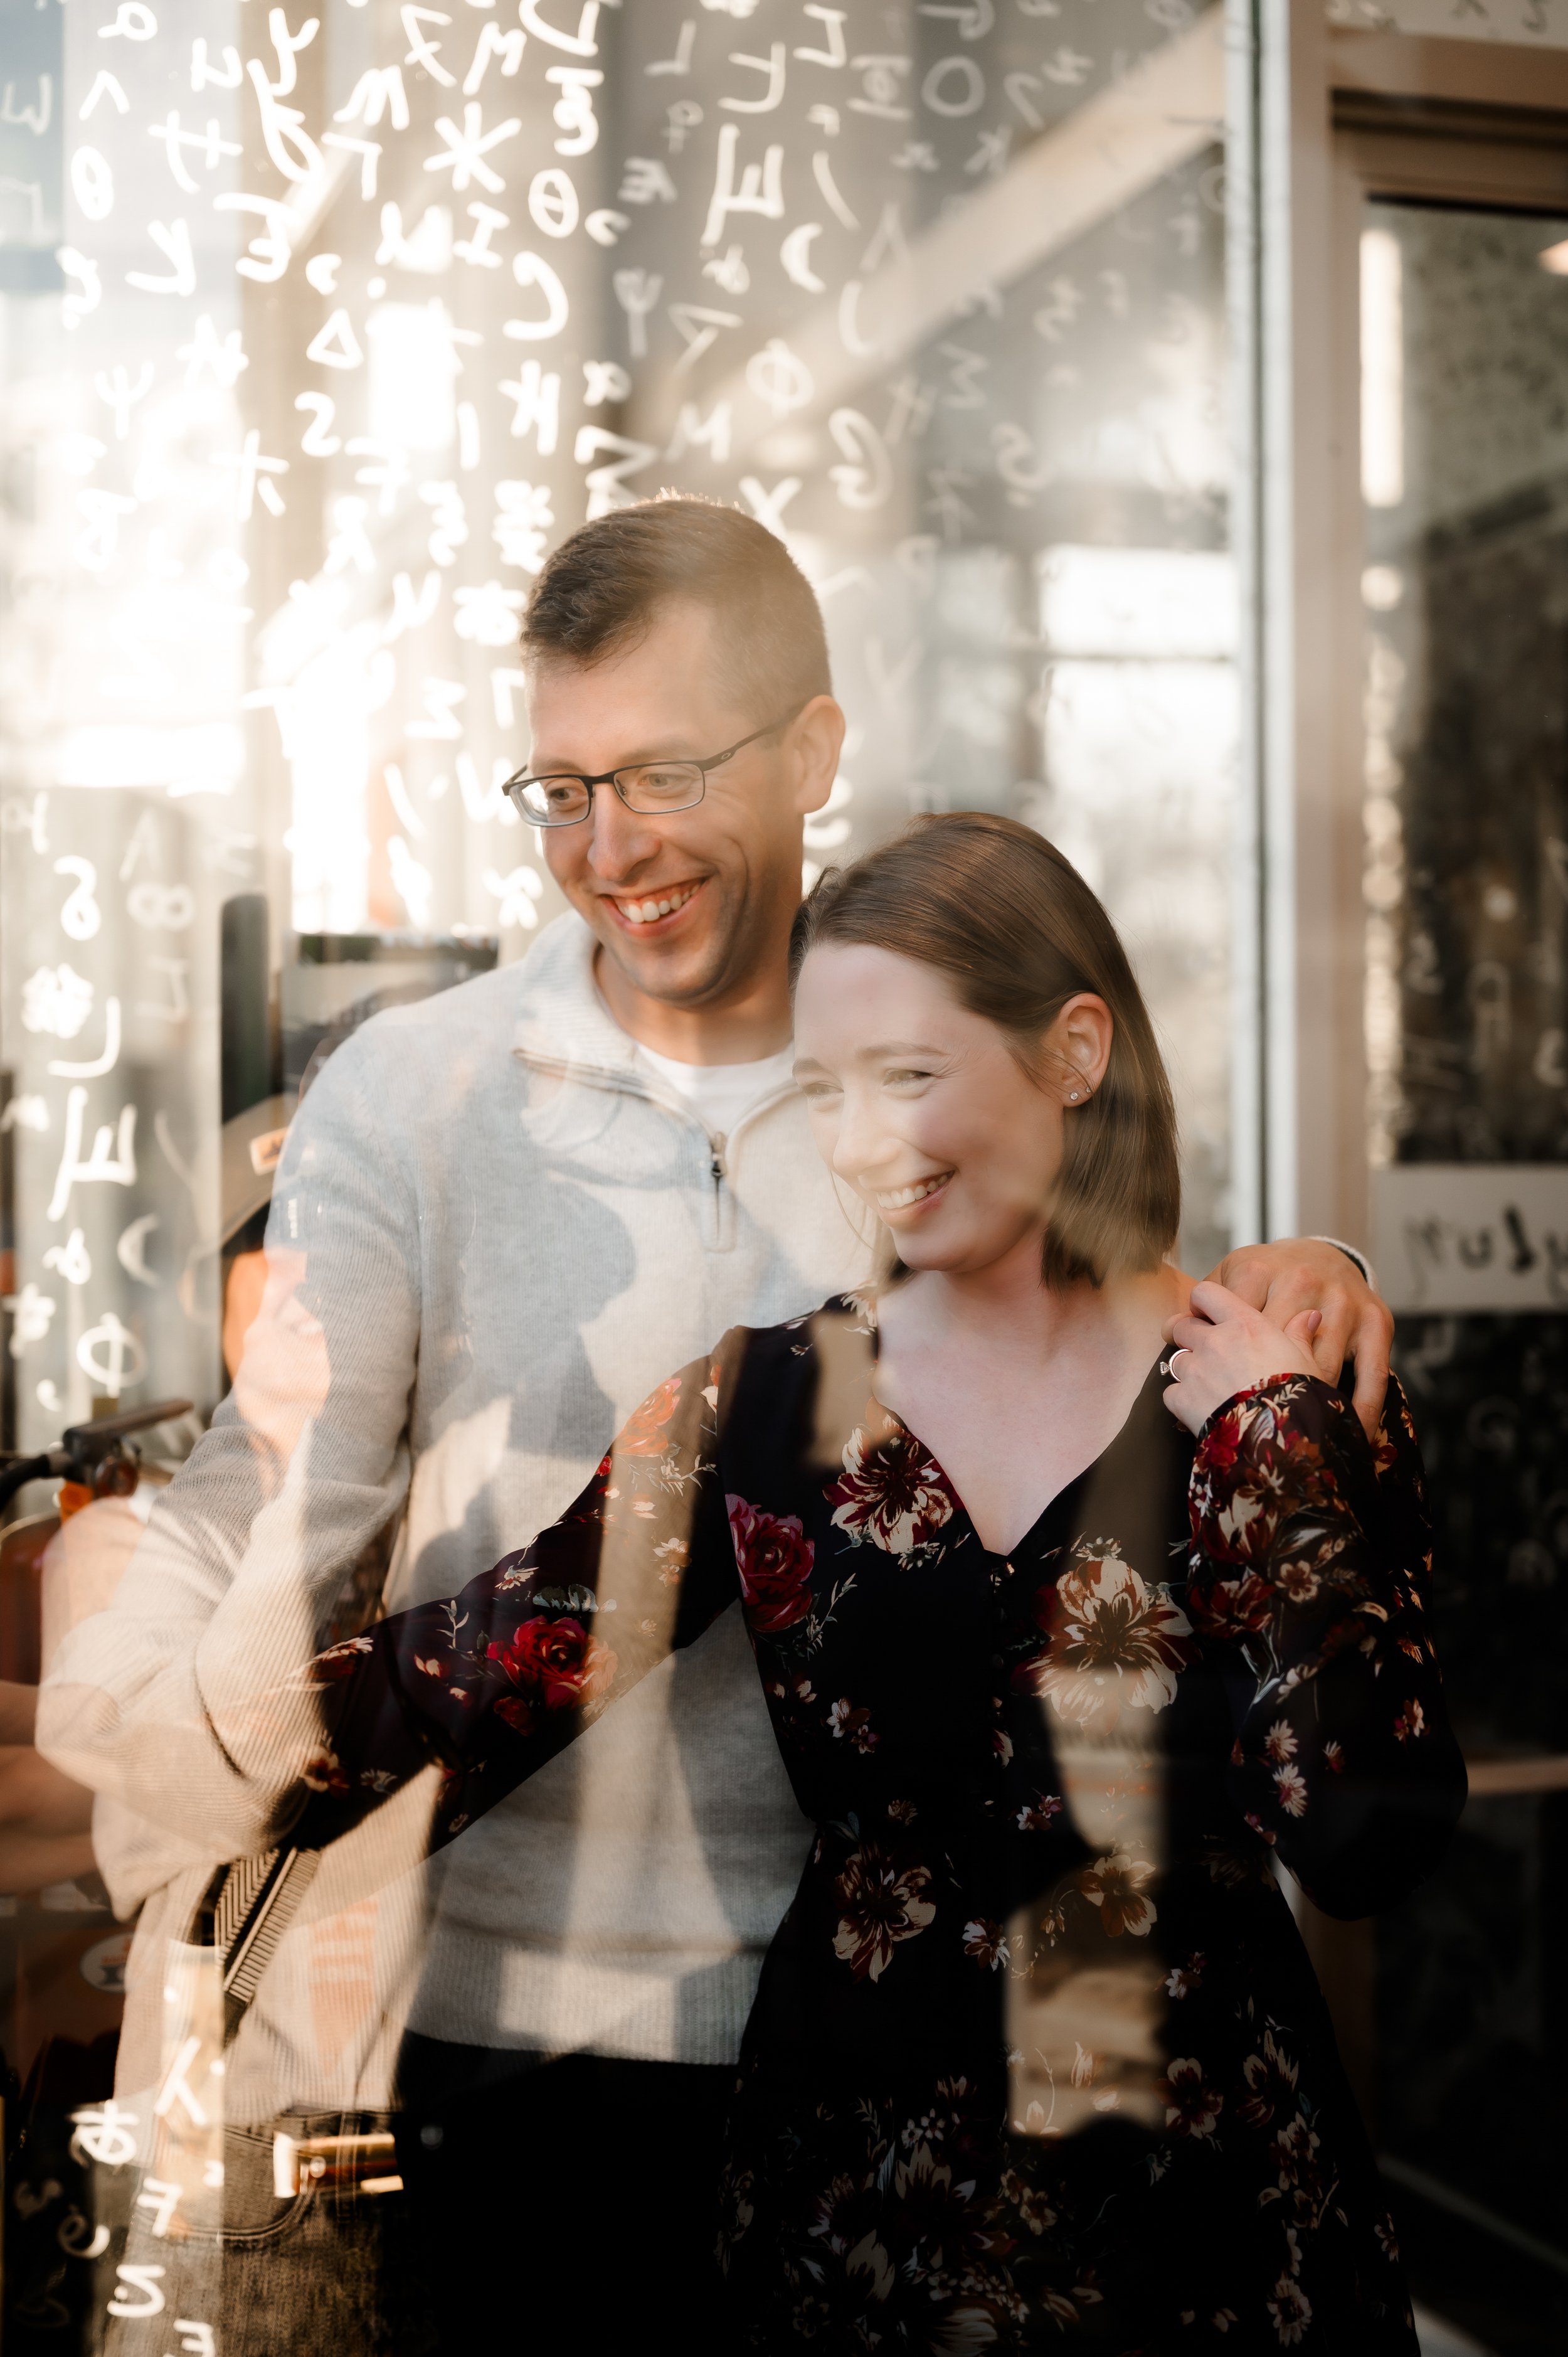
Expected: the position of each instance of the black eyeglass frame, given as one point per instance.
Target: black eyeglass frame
(516, 786)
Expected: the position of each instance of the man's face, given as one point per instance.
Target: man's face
(688, 903)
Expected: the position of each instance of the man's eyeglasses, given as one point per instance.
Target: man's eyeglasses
(564, 800)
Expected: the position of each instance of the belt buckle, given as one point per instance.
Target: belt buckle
(342, 2164)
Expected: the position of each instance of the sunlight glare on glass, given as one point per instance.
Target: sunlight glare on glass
(1382, 370)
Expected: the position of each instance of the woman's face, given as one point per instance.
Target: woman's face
(925, 1110)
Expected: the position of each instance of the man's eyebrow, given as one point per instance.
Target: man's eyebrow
(541, 766)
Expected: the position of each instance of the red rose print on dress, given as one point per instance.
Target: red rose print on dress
(882, 1905)
(645, 1432)
(774, 1558)
(890, 1493)
(1116, 1643)
(557, 1663)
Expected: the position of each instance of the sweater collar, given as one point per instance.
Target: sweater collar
(563, 1022)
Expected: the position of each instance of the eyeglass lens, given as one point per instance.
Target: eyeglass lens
(656, 786)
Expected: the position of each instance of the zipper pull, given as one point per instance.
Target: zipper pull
(716, 1166)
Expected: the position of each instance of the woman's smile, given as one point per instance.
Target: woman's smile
(920, 1190)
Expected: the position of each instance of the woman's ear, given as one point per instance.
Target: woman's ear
(1078, 1042)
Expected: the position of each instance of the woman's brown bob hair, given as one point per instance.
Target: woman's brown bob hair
(1018, 932)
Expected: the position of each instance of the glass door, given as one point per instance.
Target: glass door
(1464, 776)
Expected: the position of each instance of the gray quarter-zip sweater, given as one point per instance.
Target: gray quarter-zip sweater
(511, 1231)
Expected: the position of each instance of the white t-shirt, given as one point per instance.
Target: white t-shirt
(720, 1093)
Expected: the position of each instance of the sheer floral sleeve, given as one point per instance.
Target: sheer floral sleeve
(1310, 1548)
(492, 1683)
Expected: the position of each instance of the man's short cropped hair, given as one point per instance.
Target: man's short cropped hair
(601, 590)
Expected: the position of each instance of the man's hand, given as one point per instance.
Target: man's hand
(1284, 1279)
(1223, 1345)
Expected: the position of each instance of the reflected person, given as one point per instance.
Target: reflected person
(979, 1556)
(502, 1215)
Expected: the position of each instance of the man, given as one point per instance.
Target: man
(503, 1215)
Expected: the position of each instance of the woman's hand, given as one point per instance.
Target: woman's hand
(1223, 1345)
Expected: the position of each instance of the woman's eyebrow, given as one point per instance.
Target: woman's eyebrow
(899, 1048)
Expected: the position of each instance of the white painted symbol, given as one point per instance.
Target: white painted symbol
(780, 378)
(604, 381)
(177, 1007)
(176, 2088)
(131, 1249)
(31, 1314)
(442, 697)
(74, 307)
(132, 22)
(113, 386)
(637, 292)
(142, 2279)
(466, 150)
(476, 251)
(78, 2239)
(93, 184)
(71, 1260)
(772, 65)
(95, 549)
(112, 1162)
(552, 202)
(56, 999)
(518, 894)
(224, 357)
(681, 63)
(422, 52)
(761, 189)
(318, 441)
(81, 917)
(524, 518)
(795, 255)
(162, 2196)
(504, 685)
(161, 908)
(449, 526)
(865, 480)
(26, 816)
(538, 398)
(493, 43)
(293, 151)
(580, 44)
(207, 143)
(574, 110)
(204, 76)
(531, 269)
(607, 487)
(488, 617)
(173, 240)
(266, 257)
(253, 475)
(104, 85)
(104, 2135)
(122, 1360)
(336, 345)
(769, 506)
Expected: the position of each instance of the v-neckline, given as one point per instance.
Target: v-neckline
(1019, 1545)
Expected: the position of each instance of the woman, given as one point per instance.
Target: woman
(1036, 2048)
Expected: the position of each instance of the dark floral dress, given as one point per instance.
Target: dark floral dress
(1037, 2056)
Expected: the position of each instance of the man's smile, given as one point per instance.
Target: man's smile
(655, 906)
